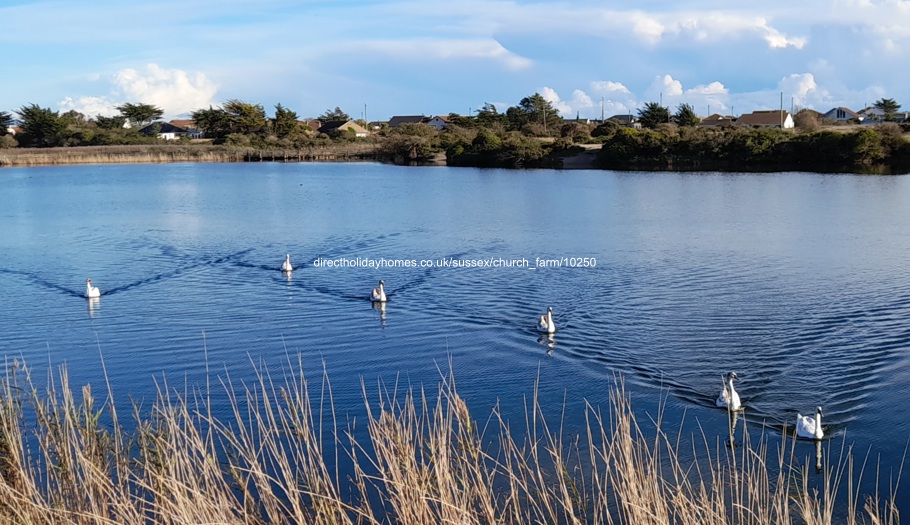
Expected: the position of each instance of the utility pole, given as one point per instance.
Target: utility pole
(601, 110)
(781, 110)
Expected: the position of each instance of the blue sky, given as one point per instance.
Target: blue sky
(407, 57)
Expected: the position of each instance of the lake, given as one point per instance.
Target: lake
(796, 281)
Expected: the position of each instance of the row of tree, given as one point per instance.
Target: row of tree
(531, 133)
(44, 127)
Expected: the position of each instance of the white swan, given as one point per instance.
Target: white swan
(378, 295)
(728, 397)
(546, 324)
(809, 428)
(286, 265)
(91, 291)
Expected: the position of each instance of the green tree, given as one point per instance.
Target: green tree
(6, 121)
(245, 117)
(653, 114)
(41, 127)
(865, 146)
(115, 122)
(140, 114)
(486, 140)
(73, 118)
(412, 142)
(888, 106)
(285, 121)
(461, 120)
(606, 129)
(214, 122)
(686, 116)
(488, 115)
(236, 117)
(334, 115)
(534, 109)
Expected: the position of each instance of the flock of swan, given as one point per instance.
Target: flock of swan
(806, 426)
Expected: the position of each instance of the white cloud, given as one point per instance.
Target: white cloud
(607, 87)
(433, 50)
(667, 86)
(89, 106)
(803, 90)
(714, 88)
(646, 27)
(778, 40)
(580, 103)
(173, 90)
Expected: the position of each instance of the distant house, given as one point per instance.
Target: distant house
(439, 122)
(12, 130)
(394, 122)
(164, 130)
(192, 130)
(338, 127)
(627, 120)
(773, 118)
(717, 120)
(871, 114)
(313, 124)
(841, 114)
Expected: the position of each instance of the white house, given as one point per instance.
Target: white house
(439, 122)
(841, 114)
(164, 130)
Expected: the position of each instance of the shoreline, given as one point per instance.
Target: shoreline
(167, 153)
(584, 159)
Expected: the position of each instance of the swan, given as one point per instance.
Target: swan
(286, 265)
(378, 295)
(728, 397)
(91, 291)
(809, 428)
(546, 324)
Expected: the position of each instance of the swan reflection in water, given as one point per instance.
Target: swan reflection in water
(94, 303)
(380, 307)
(732, 420)
(549, 341)
(818, 456)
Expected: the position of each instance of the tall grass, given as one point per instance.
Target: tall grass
(163, 153)
(421, 458)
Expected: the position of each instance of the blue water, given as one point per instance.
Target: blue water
(796, 281)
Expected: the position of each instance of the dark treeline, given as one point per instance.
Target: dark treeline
(529, 134)
(746, 149)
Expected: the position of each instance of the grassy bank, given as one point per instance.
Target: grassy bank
(161, 153)
(422, 458)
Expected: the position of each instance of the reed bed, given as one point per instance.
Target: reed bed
(421, 458)
(164, 153)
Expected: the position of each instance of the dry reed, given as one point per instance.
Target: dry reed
(422, 459)
(164, 153)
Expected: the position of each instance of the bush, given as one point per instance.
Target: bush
(238, 139)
